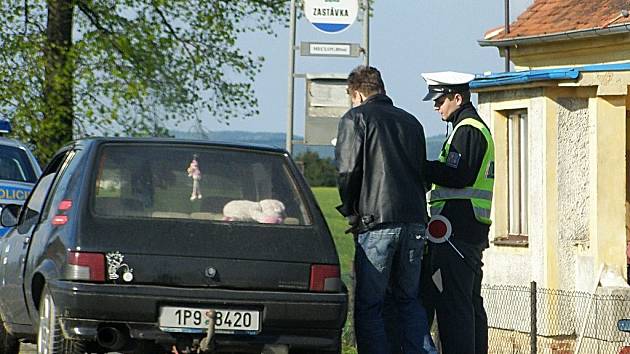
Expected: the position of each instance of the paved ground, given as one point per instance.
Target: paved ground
(28, 348)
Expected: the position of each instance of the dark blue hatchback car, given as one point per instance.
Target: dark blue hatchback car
(155, 245)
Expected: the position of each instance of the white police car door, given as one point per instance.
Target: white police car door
(15, 246)
(19, 171)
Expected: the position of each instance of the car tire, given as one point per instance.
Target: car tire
(50, 340)
(8, 343)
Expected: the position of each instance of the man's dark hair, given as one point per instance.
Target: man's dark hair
(465, 96)
(367, 80)
(464, 93)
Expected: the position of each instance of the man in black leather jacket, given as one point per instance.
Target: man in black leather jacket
(380, 154)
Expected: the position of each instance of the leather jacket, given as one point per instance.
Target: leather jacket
(380, 155)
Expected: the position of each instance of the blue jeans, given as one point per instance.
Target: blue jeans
(389, 257)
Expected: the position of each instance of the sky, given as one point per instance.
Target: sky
(407, 37)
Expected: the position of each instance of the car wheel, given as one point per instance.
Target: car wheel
(8, 343)
(50, 340)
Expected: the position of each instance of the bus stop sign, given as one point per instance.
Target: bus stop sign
(331, 16)
(326, 102)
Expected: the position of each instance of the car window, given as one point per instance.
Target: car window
(35, 203)
(15, 165)
(59, 189)
(203, 183)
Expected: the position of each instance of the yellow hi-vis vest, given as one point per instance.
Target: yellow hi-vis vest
(480, 193)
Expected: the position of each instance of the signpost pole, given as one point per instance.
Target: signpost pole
(289, 138)
(328, 16)
(366, 32)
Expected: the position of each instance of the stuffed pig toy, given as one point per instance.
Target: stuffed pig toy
(267, 211)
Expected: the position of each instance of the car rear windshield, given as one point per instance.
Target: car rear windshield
(15, 165)
(202, 183)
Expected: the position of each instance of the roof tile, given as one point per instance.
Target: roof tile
(556, 16)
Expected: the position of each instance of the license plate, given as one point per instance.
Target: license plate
(196, 320)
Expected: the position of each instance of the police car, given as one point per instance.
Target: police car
(19, 171)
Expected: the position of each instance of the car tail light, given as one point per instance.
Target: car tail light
(325, 278)
(65, 204)
(86, 266)
(62, 219)
(59, 220)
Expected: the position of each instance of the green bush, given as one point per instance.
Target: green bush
(319, 172)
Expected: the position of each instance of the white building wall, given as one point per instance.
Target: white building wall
(573, 185)
(517, 265)
(536, 226)
(508, 265)
(573, 123)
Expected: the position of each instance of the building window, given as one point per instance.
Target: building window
(517, 176)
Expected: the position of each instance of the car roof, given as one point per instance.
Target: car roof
(174, 141)
(12, 142)
(33, 161)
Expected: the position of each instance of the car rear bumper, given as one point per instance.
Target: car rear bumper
(81, 329)
(294, 318)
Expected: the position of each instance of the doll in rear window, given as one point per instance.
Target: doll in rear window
(195, 173)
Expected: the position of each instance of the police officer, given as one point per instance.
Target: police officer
(460, 197)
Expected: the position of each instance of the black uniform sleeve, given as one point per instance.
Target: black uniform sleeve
(422, 146)
(349, 160)
(470, 143)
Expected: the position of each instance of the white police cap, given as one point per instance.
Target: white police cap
(443, 82)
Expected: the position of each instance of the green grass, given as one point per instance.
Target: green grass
(328, 199)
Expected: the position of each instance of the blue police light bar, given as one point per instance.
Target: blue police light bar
(5, 126)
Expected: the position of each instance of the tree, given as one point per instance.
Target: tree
(317, 171)
(106, 66)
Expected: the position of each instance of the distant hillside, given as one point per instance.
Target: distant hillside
(258, 138)
(235, 136)
(434, 143)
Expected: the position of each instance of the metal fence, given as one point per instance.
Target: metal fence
(564, 322)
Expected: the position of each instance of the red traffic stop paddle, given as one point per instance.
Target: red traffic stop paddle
(439, 230)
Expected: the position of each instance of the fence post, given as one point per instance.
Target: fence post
(533, 331)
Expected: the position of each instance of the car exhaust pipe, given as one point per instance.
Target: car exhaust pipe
(112, 338)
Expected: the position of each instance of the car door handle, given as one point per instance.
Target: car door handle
(27, 240)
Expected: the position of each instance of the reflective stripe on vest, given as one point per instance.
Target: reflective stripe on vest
(444, 193)
(480, 193)
(479, 212)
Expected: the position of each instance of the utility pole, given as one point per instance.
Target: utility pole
(289, 138)
(366, 32)
(507, 31)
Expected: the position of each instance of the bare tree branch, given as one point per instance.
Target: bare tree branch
(174, 34)
(25, 17)
(93, 17)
